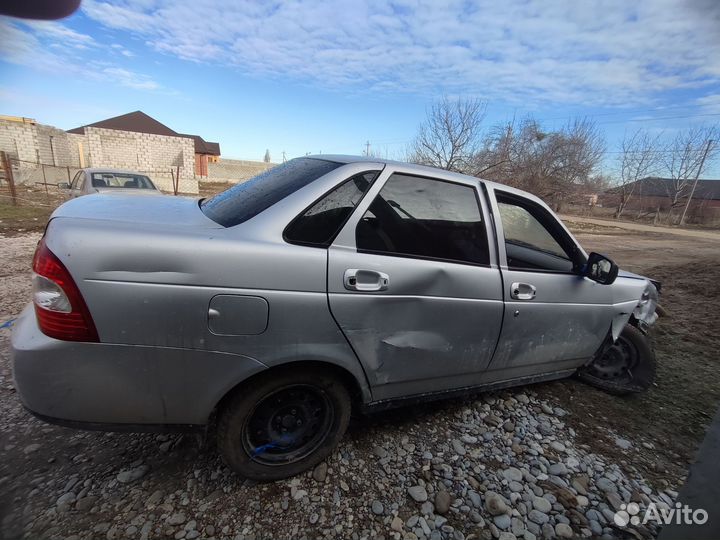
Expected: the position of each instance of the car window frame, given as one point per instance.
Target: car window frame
(75, 180)
(484, 216)
(377, 172)
(575, 253)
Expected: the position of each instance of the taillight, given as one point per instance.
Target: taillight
(59, 307)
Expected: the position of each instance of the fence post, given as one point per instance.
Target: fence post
(47, 195)
(9, 176)
(68, 172)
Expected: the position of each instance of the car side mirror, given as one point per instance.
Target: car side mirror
(63, 185)
(600, 269)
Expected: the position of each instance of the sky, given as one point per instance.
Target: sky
(327, 77)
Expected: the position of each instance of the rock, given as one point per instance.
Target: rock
(397, 524)
(130, 475)
(320, 472)
(418, 493)
(538, 517)
(30, 448)
(344, 486)
(86, 503)
(622, 443)
(427, 508)
(495, 504)
(66, 499)
(502, 521)
(297, 494)
(564, 531)
(377, 508)
(176, 519)
(509, 426)
(541, 504)
(614, 500)
(155, 498)
(442, 502)
(515, 487)
(380, 452)
(605, 484)
(558, 469)
(557, 446)
(508, 536)
(513, 473)
(458, 448)
(580, 483)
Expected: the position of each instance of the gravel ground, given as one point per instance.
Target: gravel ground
(504, 465)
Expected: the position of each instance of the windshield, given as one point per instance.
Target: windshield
(244, 201)
(121, 180)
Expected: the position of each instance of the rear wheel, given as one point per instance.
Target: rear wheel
(627, 366)
(283, 423)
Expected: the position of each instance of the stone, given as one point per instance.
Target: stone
(86, 503)
(495, 504)
(502, 521)
(30, 448)
(380, 452)
(377, 508)
(513, 473)
(418, 493)
(176, 519)
(319, 473)
(397, 524)
(538, 517)
(131, 475)
(458, 447)
(66, 499)
(427, 508)
(541, 504)
(564, 531)
(558, 469)
(442, 502)
(155, 498)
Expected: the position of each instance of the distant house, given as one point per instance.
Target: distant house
(654, 195)
(139, 122)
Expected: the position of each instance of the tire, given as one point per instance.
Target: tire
(283, 423)
(626, 367)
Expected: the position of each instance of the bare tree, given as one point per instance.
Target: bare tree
(639, 158)
(686, 157)
(553, 165)
(450, 136)
(266, 159)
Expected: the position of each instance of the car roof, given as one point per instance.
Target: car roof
(111, 171)
(423, 170)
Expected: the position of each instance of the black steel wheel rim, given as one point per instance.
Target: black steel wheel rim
(288, 424)
(617, 362)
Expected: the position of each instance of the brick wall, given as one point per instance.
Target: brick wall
(235, 170)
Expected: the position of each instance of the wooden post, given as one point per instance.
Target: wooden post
(47, 195)
(9, 176)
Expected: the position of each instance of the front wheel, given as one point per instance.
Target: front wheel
(283, 423)
(627, 366)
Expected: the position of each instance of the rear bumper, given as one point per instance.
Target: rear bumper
(120, 386)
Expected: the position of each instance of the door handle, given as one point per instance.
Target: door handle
(356, 279)
(522, 291)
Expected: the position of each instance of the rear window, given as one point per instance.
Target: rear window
(244, 201)
(121, 180)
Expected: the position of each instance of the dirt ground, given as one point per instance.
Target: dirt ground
(672, 417)
(665, 425)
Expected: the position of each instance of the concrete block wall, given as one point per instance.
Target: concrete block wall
(235, 170)
(153, 155)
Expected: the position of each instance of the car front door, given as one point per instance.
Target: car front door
(414, 285)
(78, 185)
(554, 319)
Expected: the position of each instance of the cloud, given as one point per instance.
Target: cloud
(129, 79)
(55, 48)
(609, 52)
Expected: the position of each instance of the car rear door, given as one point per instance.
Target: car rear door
(554, 319)
(414, 285)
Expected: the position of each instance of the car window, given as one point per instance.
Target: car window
(121, 180)
(529, 242)
(319, 225)
(75, 184)
(425, 218)
(244, 201)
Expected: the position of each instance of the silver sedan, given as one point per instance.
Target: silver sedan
(89, 181)
(325, 285)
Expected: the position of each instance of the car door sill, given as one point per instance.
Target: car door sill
(385, 404)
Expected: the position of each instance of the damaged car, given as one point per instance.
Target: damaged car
(326, 285)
